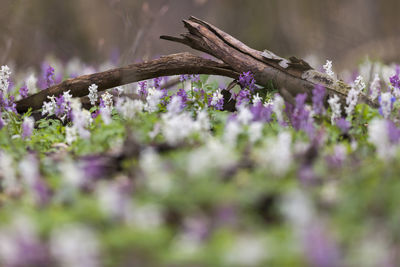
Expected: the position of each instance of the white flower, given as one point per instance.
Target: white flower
(67, 96)
(328, 68)
(297, 207)
(157, 179)
(128, 108)
(175, 106)
(278, 104)
(359, 84)
(244, 115)
(255, 131)
(4, 78)
(153, 99)
(81, 119)
(72, 176)
(246, 251)
(374, 88)
(105, 115)
(351, 100)
(7, 171)
(177, 127)
(256, 99)
(31, 83)
(27, 127)
(386, 104)
(146, 217)
(108, 100)
(232, 131)
(276, 156)
(352, 96)
(217, 96)
(75, 245)
(49, 107)
(279, 154)
(112, 200)
(378, 136)
(29, 171)
(202, 123)
(93, 94)
(334, 103)
(15, 239)
(213, 155)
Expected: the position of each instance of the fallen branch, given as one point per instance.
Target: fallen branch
(291, 76)
(182, 63)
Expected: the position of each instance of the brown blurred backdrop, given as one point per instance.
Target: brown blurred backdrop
(97, 30)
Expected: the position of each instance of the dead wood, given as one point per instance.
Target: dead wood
(182, 63)
(291, 76)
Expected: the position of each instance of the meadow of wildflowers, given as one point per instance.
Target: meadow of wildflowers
(154, 176)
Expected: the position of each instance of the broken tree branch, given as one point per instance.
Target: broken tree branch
(291, 76)
(182, 63)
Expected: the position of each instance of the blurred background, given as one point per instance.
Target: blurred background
(127, 31)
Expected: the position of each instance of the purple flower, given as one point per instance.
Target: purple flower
(338, 157)
(393, 132)
(195, 78)
(243, 97)
(318, 99)
(95, 114)
(182, 93)
(60, 106)
(101, 103)
(394, 80)
(163, 98)
(321, 249)
(10, 85)
(142, 88)
(41, 191)
(157, 82)
(246, 80)
(219, 105)
(94, 167)
(300, 114)
(261, 113)
(27, 127)
(386, 101)
(23, 91)
(216, 100)
(2, 123)
(49, 76)
(343, 124)
(306, 174)
(183, 77)
(9, 104)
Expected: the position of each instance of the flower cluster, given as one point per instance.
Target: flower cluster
(93, 94)
(168, 177)
(246, 80)
(328, 68)
(4, 79)
(58, 106)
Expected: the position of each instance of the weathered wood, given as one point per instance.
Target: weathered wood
(182, 63)
(291, 76)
